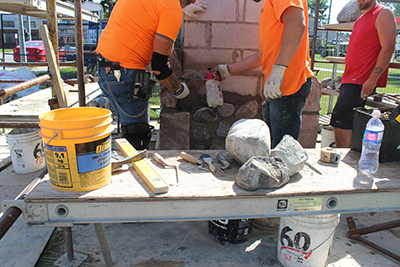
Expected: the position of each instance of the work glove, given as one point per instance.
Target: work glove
(191, 10)
(272, 88)
(182, 92)
(223, 70)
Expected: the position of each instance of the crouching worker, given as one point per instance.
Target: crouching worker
(139, 33)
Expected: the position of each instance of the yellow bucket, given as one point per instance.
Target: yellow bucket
(78, 147)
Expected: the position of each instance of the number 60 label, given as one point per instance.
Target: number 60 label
(298, 246)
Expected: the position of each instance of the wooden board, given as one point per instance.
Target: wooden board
(196, 183)
(28, 108)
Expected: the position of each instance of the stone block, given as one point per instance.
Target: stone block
(309, 129)
(174, 130)
(312, 102)
(234, 36)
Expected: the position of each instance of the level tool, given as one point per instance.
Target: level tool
(152, 179)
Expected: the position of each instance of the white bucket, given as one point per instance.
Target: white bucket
(328, 136)
(306, 240)
(26, 147)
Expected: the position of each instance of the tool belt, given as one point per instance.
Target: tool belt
(138, 134)
(103, 62)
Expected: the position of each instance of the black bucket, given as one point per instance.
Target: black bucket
(232, 231)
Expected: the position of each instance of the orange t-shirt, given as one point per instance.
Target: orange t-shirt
(270, 39)
(129, 35)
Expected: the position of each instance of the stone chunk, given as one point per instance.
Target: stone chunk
(247, 138)
(201, 133)
(174, 130)
(205, 115)
(223, 128)
(226, 110)
(247, 111)
(349, 12)
(263, 172)
(291, 153)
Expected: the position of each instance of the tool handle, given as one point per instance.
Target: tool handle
(190, 158)
(157, 157)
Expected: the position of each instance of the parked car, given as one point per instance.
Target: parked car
(36, 52)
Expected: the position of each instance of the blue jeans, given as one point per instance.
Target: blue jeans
(129, 110)
(283, 115)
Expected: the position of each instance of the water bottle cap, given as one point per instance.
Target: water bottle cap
(376, 113)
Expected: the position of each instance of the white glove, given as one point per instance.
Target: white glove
(199, 7)
(272, 88)
(182, 92)
(223, 70)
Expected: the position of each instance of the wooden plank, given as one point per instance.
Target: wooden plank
(152, 179)
(53, 66)
(343, 178)
(28, 108)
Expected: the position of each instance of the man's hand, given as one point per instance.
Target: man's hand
(223, 71)
(199, 7)
(272, 88)
(367, 88)
(182, 92)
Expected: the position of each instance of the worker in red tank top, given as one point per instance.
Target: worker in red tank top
(371, 47)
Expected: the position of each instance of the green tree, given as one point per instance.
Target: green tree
(323, 7)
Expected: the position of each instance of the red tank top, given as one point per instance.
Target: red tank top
(363, 50)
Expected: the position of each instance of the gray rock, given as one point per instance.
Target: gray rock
(247, 111)
(223, 128)
(291, 153)
(247, 138)
(226, 110)
(349, 12)
(201, 133)
(205, 115)
(263, 172)
(327, 82)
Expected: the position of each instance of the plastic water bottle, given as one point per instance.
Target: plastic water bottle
(369, 160)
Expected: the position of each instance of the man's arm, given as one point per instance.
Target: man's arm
(294, 20)
(386, 26)
(248, 63)
(164, 45)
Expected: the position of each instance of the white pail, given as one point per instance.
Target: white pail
(26, 147)
(328, 136)
(306, 240)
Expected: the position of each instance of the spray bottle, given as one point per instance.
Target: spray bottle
(213, 90)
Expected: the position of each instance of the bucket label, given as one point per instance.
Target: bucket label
(94, 155)
(58, 166)
(300, 204)
(294, 247)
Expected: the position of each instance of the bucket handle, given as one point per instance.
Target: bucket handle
(45, 145)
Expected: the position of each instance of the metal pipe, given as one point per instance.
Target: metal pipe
(68, 243)
(12, 214)
(316, 14)
(35, 64)
(4, 124)
(374, 228)
(379, 248)
(79, 53)
(22, 86)
(19, 81)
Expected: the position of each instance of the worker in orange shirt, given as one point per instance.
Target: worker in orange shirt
(283, 52)
(139, 33)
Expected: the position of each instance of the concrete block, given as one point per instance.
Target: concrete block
(234, 36)
(201, 59)
(219, 10)
(242, 85)
(252, 12)
(197, 35)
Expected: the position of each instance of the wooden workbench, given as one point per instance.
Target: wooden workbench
(204, 195)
